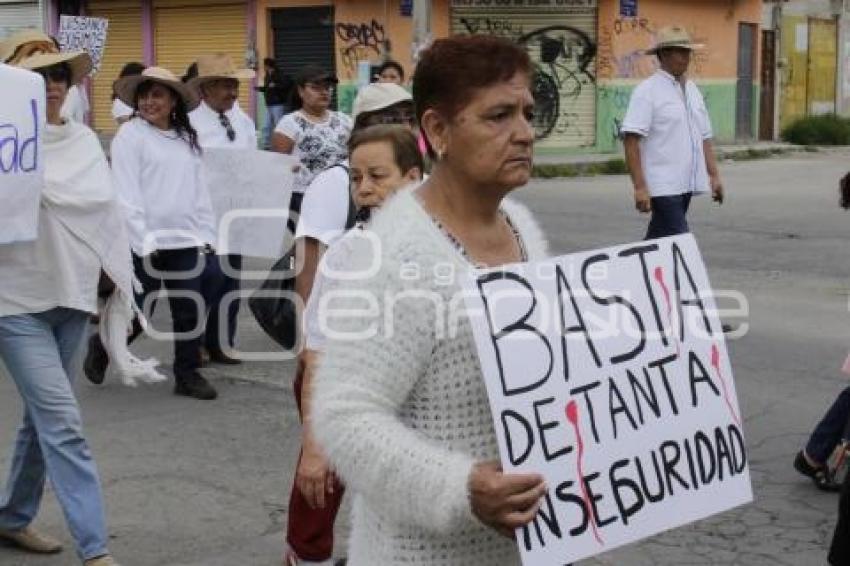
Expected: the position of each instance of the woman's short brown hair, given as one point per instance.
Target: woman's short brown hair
(405, 149)
(452, 68)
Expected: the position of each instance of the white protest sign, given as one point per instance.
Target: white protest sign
(607, 372)
(22, 120)
(78, 33)
(250, 192)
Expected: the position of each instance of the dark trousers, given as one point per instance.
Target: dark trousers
(310, 532)
(839, 551)
(831, 430)
(192, 279)
(669, 216)
(221, 330)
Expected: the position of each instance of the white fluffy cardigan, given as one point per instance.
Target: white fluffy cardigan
(403, 414)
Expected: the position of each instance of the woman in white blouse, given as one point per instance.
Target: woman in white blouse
(313, 133)
(48, 290)
(157, 171)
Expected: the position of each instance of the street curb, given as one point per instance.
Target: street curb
(595, 166)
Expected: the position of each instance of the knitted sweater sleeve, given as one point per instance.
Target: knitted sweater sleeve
(361, 385)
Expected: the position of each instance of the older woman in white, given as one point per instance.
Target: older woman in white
(48, 290)
(400, 406)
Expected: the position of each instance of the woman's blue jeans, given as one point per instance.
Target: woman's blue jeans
(38, 351)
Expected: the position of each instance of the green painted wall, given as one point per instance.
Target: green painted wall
(613, 100)
(345, 94)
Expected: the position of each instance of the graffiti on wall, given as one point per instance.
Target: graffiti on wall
(562, 57)
(492, 26)
(623, 42)
(359, 42)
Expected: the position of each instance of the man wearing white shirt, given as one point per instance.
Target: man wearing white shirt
(668, 136)
(220, 123)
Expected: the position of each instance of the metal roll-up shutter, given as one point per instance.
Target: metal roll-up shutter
(304, 36)
(18, 15)
(183, 30)
(123, 44)
(561, 41)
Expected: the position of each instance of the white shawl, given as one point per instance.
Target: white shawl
(78, 192)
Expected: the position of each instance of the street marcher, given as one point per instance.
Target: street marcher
(384, 159)
(48, 291)
(830, 433)
(121, 112)
(400, 407)
(391, 72)
(277, 89)
(221, 125)
(668, 135)
(313, 133)
(157, 170)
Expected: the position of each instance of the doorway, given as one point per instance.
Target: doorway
(746, 71)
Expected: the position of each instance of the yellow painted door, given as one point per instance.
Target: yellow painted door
(123, 44)
(183, 30)
(823, 52)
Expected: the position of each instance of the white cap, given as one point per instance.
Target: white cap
(377, 96)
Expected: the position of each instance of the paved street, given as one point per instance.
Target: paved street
(190, 483)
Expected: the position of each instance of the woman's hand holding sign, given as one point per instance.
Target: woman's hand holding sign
(504, 501)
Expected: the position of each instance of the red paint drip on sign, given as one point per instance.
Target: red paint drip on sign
(715, 363)
(572, 416)
(659, 276)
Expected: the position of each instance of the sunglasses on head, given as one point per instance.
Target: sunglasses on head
(56, 73)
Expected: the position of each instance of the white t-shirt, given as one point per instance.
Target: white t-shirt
(324, 210)
(318, 145)
(120, 110)
(673, 124)
(328, 275)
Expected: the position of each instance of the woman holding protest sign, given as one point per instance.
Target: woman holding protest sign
(48, 290)
(400, 406)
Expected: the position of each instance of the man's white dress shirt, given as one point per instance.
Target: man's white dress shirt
(673, 123)
(211, 132)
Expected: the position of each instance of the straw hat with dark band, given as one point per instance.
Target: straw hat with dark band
(673, 37)
(32, 49)
(214, 66)
(126, 88)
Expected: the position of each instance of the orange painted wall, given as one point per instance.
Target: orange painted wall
(385, 13)
(712, 22)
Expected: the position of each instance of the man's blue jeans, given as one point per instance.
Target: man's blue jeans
(39, 351)
(669, 216)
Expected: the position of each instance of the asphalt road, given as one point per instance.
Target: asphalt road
(192, 483)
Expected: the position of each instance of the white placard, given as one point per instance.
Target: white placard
(78, 33)
(611, 366)
(250, 193)
(22, 121)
